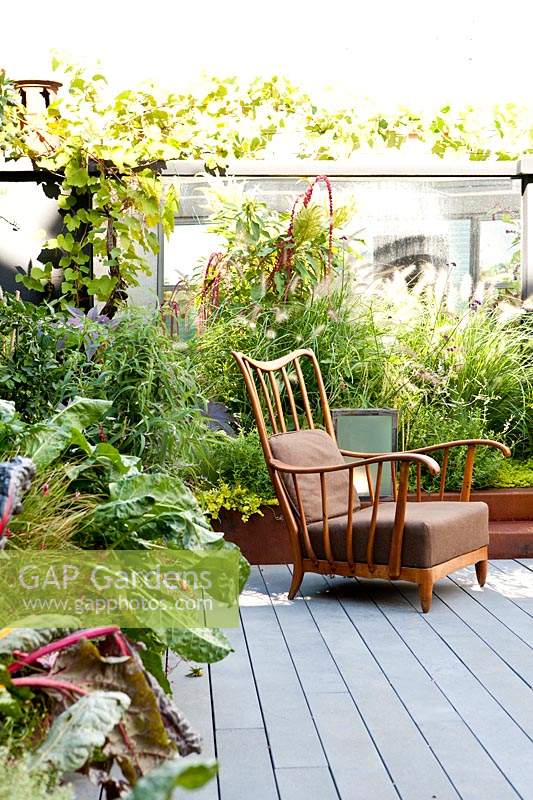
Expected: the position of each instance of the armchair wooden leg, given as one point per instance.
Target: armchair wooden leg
(481, 571)
(297, 577)
(425, 590)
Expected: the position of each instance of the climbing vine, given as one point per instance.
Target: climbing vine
(107, 151)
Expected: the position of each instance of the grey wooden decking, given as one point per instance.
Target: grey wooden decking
(350, 692)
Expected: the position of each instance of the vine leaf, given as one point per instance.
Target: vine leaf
(79, 730)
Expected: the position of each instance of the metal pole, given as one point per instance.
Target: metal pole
(526, 172)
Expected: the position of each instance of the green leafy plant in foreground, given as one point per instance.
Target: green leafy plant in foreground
(163, 780)
(19, 782)
(135, 725)
(138, 511)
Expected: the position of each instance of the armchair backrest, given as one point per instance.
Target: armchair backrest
(279, 395)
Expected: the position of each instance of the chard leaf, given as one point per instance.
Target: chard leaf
(161, 782)
(21, 635)
(80, 729)
(204, 645)
(153, 507)
(66, 428)
(149, 741)
(106, 456)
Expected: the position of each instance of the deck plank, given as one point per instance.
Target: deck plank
(232, 678)
(515, 582)
(193, 697)
(509, 647)
(304, 784)
(315, 666)
(245, 765)
(508, 689)
(432, 637)
(494, 601)
(348, 745)
(471, 771)
(281, 696)
(398, 740)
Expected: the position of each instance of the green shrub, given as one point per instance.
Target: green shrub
(41, 358)
(156, 402)
(234, 476)
(433, 425)
(391, 347)
(238, 461)
(51, 357)
(514, 473)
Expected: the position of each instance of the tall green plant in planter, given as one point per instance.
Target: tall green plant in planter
(157, 405)
(270, 257)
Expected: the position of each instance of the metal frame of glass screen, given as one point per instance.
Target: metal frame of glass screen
(521, 170)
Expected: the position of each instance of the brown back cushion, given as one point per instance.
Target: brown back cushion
(313, 448)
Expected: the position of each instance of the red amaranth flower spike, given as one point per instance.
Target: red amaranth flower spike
(210, 294)
(286, 253)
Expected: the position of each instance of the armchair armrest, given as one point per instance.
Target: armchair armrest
(471, 445)
(506, 452)
(409, 457)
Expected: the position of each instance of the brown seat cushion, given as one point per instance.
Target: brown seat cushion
(313, 448)
(434, 532)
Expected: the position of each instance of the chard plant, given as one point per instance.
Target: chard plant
(135, 725)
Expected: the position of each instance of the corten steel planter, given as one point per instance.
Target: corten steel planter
(265, 539)
(262, 540)
(504, 504)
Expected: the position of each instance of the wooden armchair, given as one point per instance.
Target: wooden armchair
(330, 533)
